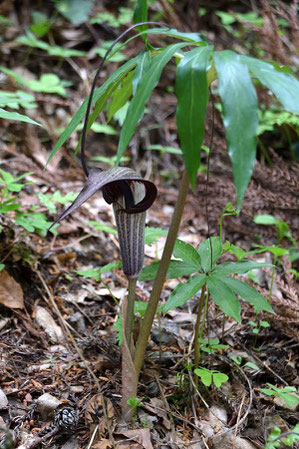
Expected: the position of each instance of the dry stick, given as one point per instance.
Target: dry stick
(238, 418)
(80, 355)
(240, 421)
(161, 275)
(93, 437)
(33, 443)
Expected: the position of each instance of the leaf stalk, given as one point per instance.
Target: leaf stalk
(161, 274)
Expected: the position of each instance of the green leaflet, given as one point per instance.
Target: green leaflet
(204, 250)
(7, 115)
(143, 62)
(176, 269)
(284, 85)
(140, 15)
(248, 293)
(98, 93)
(183, 292)
(192, 93)
(187, 253)
(243, 266)
(172, 32)
(144, 90)
(121, 95)
(224, 297)
(240, 116)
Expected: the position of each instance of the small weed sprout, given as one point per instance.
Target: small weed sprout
(288, 394)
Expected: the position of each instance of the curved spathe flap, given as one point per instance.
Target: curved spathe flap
(115, 183)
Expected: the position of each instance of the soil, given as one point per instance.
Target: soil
(57, 328)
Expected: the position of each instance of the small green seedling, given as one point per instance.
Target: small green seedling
(41, 24)
(48, 83)
(50, 200)
(211, 346)
(124, 18)
(97, 272)
(181, 374)
(285, 393)
(207, 376)
(15, 100)
(228, 211)
(256, 327)
(34, 221)
(283, 229)
(28, 219)
(276, 438)
(30, 40)
(10, 183)
(135, 403)
(238, 361)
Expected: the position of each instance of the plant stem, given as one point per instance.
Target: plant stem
(130, 311)
(204, 315)
(196, 331)
(223, 327)
(272, 279)
(161, 275)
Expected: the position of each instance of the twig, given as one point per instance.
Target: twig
(93, 436)
(263, 363)
(240, 421)
(38, 440)
(238, 418)
(168, 410)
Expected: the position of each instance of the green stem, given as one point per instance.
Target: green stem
(223, 327)
(196, 331)
(204, 315)
(272, 279)
(130, 311)
(265, 152)
(161, 275)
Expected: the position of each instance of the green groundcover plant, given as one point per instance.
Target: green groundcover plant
(130, 195)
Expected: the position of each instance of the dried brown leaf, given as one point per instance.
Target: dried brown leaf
(141, 436)
(11, 293)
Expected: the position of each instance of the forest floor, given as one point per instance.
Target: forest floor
(55, 322)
